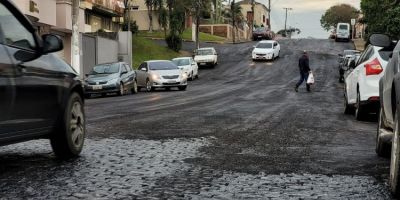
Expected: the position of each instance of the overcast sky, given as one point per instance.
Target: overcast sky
(306, 14)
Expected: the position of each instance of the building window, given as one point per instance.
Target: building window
(263, 18)
(87, 18)
(106, 23)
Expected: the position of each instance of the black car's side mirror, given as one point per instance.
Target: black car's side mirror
(51, 43)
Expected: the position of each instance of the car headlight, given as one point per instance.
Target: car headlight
(155, 76)
(184, 76)
(112, 81)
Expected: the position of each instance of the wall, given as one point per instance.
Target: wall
(125, 47)
(142, 19)
(224, 30)
(259, 11)
(107, 50)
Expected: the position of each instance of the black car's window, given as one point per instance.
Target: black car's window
(162, 65)
(105, 69)
(181, 62)
(14, 33)
(264, 45)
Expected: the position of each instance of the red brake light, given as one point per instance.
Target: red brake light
(373, 67)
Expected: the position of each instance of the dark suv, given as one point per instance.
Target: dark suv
(40, 95)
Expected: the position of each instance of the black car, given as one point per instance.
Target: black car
(387, 137)
(111, 78)
(262, 33)
(40, 95)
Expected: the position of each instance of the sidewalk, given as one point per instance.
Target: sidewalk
(359, 44)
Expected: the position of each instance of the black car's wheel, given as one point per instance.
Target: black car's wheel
(394, 161)
(121, 91)
(88, 96)
(348, 109)
(382, 148)
(149, 88)
(181, 88)
(359, 109)
(135, 88)
(68, 138)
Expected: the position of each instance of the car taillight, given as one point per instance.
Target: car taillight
(373, 67)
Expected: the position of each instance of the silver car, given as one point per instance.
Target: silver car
(161, 74)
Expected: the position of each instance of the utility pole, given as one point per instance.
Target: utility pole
(269, 14)
(252, 17)
(197, 12)
(286, 18)
(75, 37)
(233, 21)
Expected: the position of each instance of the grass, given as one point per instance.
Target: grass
(147, 49)
(186, 35)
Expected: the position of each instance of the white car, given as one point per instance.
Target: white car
(188, 66)
(343, 32)
(206, 57)
(266, 50)
(361, 91)
(160, 74)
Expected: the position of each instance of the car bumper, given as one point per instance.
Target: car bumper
(89, 89)
(208, 63)
(169, 83)
(263, 57)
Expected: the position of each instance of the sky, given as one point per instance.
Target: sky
(306, 15)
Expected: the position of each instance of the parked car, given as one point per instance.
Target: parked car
(187, 65)
(387, 137)
(111, 78)
(343, 32)
(345, 60)
(41, 95)
(266, 50)
(206, 56)
(262, 33)
(361, 91)
(161, 74)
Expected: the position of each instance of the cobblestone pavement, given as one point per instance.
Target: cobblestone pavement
(143, 169)
(238, 132)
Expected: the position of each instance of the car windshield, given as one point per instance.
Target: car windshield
(162, 65)
(343, 27)
(260, 30)
(105, 69)
(264, 46)
(181, 62)
(203, 52)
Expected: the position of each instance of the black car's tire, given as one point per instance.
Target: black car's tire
(135, 88)
(88, 96)
(121, 91)
(148, 87)
(348, 109)
(359, 109)
(181, 88)
(68, 138)
(394, 161)
(382, 149)
(167, 88)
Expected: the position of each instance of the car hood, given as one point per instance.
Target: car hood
(184, 67)
(204, 57)
(263, 51)
(167, 72)
(101, 77)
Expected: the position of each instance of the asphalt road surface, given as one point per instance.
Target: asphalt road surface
(238, 132)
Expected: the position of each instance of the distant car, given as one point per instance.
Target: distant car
(266, 50)
(111, 78)
(361, 94)
(343, 32)
(206, 57)
(347, 53)
(262, 33)
(41, 96)
(187, 65)
(345, 60)
(387, 137)
(161, 74)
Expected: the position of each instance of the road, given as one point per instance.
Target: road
(238, 132)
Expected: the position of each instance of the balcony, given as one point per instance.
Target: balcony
(112, 8)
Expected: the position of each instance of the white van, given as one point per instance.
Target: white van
(343, 32)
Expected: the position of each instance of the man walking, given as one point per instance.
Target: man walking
(304, 67)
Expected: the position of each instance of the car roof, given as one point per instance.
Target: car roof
(151, 61)
(206, 48)
(267, 41)
(178, 58)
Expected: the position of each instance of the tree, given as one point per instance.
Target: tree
(336, 14)
(236, 17)
(382, 22)
(150, 8)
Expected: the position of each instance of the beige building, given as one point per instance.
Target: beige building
(260, 13)
(140, 14)
(106, 15)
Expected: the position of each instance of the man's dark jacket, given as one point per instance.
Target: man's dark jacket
(304, 64)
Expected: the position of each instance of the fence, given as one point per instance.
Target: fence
(225, 30)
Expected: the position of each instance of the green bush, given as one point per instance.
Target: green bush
(174, 42)
(134, 27)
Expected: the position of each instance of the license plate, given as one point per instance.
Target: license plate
(97, 87)
(259, 36)
(171, 81)
(202, 63)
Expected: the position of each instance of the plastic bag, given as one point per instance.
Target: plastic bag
(310, 79)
